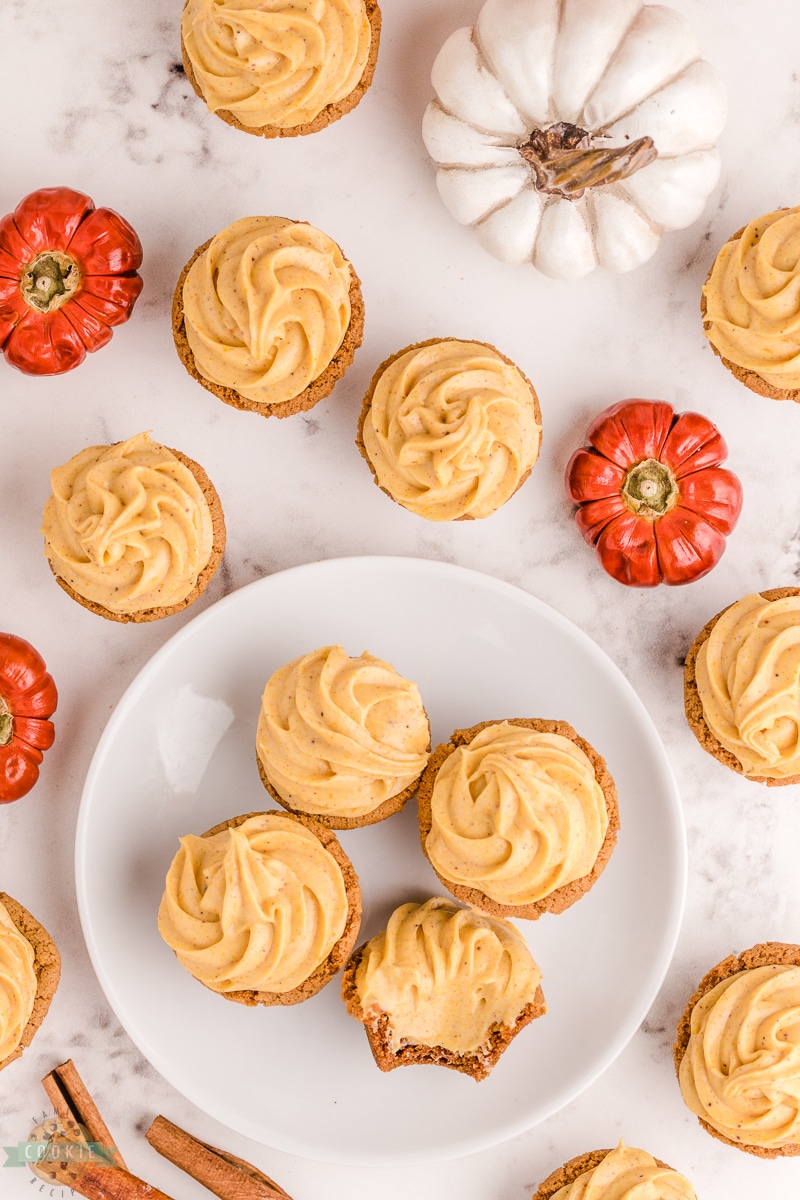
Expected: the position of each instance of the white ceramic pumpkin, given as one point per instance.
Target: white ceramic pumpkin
(573, 133)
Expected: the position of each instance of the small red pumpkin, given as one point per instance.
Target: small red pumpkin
(652, 496)
(67, 276)
(28, 697)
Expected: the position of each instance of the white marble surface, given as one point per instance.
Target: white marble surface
(91, 98)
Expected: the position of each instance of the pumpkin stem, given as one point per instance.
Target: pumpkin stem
(650, 489)
(6, 728)
(565, 162)
(49, 280)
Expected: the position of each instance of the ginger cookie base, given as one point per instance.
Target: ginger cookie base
(367, 405)
(386, 809)
(477, 1065)
(329, 114)
(317, 390)
(574, 1168)
(560, 899)
(46, 964)
(751, 379)
(693, 705)
(203, 579)
(761, 955)
(341, 949)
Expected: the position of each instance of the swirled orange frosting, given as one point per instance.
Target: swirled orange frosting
(451, 430)
(257, 906)
(516, 813)
(753, 299)
(748, 681)
(446, 976)
(17, 984)
(339, 735)
(627, 1174)
(276, 62)
(128, 526)
(741, 1068)
(266, 306)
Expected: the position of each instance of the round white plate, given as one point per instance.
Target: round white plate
(177, 756)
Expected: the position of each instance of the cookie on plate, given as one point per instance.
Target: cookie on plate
(751, 305)
(518, 817)
(133, 531)
(342, 739)
(443, 985)
(267, 315)
(736, 1051)
(742, 687)
(450, 429)
(615, 1173)
(31, 969)
(262, 909)
(282, 68)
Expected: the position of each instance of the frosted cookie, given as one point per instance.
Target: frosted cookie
(262, 909)
(751, 305)
(443, 985)
(450, 429)
(283, 67)
(268, 315)
(30, 968)
(615, 1175)
(133, 531)
(737, 1052)
(742, 686)
(343, 739)
(518, 817)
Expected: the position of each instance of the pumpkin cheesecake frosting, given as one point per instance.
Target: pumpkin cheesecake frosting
(752, 300)
(266, 306)
(747, 676)
(129, 527)
(517, 817)
(18, 984)
(343, 738)
(740, 1069)
(445, 985)
(450, 429)
(278, 63)
(256, 906)
(623, 1173)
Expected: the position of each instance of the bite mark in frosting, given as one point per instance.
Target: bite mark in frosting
(445, 976)
(451, 430)
(17, 984)
(257, 906)
(266, 307)
(339, 735)
(748, 681)
(741, 1069)
(516, 813)
(128, 526)
(627, 1174)
(753, 299)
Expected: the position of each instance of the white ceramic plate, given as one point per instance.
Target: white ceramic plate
(177, 756)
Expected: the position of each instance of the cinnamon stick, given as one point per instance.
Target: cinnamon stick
(71, 1100)
(224, 1174)
(93, 1178)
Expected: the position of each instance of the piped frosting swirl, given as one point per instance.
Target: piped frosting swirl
(278, 62)
(17, 984)
(266, 306)
(256, 906)
(627, 1174)
(128, 526)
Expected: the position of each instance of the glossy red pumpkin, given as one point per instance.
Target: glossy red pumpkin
(68, 275)
(652, 496)
(28, 697)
